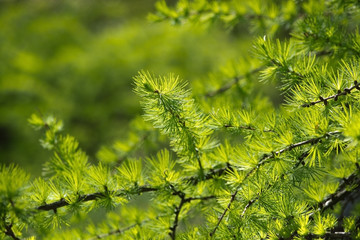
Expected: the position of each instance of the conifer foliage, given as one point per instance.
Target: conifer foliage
(229, 164)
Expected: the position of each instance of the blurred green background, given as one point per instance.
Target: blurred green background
(76, 59)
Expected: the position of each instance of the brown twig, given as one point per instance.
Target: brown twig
(335, 96)
(9, 232)
(91, 197)
(178, 208)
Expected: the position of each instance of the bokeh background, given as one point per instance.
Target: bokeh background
(76, 59)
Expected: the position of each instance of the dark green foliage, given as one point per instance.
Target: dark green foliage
(229, 164)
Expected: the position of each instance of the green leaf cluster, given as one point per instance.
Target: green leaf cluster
(226, 163)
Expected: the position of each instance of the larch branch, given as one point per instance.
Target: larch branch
(262, 162)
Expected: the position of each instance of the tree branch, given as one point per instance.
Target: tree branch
(199, 198)
(90, 197)
(262, 162)
(248, 128)
(9, 232)
(341, 194)
(269, 186)
(335, 97)
(178, 208)
(218, 172)
(176, 220)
